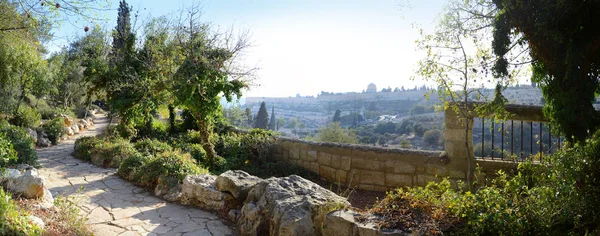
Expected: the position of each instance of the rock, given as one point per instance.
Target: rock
(339, 222)
(32, 133)
(43, 142)
(42, 134)
(233, 215)
(236, 182)
(75, 128)
(36, 221)
(287, 206)
(69, 131)
(90, 121)
(68, 121)
(168, 192)
(23, 167)
(29, 185)
(199, 190)
(81, 127)
(10, 173)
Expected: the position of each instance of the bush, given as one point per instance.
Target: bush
(151, 146)
(131, 166)
(245, 151)
(54, 129)
(85, 145)
(14, 221)
(170, 166)
(333, 132)
(7, 152)
(22, 143)
(26, 117)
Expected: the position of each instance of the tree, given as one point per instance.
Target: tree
(272, 121)
(405, 143)
(432, 138)
(333, 132)
(385, 127)
(459, 61)
(292, 123)
(337, 117)
(249, 119)
(262, 117)
(210, 71)
(280, 123)
(563, 43)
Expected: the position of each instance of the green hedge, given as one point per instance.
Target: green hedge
(54, 129)
(22, 142)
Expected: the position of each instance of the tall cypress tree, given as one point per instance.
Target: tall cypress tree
(122, 34)
(262, 117)
(273, 122)
(338, 116)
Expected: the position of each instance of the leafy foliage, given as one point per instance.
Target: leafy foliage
(13, 221)
(262, 117)
(562, 41)
(22, 142)
(7, 152)
(54, 129)
(333, 132)
(245, 151)
(26, 117)
(165, 166)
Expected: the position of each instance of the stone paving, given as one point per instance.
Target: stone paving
(114, 206)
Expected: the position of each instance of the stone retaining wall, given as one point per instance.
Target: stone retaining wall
(366, 167)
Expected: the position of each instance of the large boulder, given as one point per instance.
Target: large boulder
(29, 184)
(43, 142)
(287, 206)
(68, 120)
(32, 133)
(69, 131)
(236, 182)
(199, 190)
(75, 128)
(340, 222)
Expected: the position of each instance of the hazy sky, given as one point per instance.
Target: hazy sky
(308, 46)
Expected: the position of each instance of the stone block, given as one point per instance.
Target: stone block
(335, 161)
(341, 176)
(372, 177)
(398, 167)
(311, 155)
(345, 163)
(370, 187)
(294, 153)
(437, 170)
(314, 167)
(423, 180)
(354, 178)
(394, 180)
(328, 173)
(324, 158)
(457, 174)
(361, 163)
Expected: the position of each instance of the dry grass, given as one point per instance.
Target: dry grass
(62, 220)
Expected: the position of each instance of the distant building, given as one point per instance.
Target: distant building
(371, 88)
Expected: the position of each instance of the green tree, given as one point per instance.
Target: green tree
(272, 121)
(385, 127)
(432, 138)
(280, 123)
(209, 72)
(337, 117)
(249, 120)
(405, 143)
(333, 132)
(563, 42)
(262, 117)
(292, 123)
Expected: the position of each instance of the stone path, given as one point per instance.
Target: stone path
(114, 206)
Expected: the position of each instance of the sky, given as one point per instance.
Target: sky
(307, 46)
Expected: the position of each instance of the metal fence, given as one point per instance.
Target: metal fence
(514, 140)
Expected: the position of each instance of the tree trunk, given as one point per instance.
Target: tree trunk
(204, 129)
(171, 118)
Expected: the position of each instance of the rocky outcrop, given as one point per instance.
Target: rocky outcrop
(26, 182)
(287, 206)
(236, 182)
(32, 133)
(342, 222)
(199, 190)
(43, 140)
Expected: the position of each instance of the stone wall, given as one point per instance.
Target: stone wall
(367, 167)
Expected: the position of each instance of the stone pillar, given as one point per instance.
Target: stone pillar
(454, 138)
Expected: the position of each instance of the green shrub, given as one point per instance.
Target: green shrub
(26, 117)
(131, 166)
(7, 152)
(54, 129)
(245, 151)
(13, 221)
(22, 143)
(197, 152)
(151, 146)
(85, 145)
(111, 152)
(171, 165)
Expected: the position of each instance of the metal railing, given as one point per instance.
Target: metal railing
(514, 140)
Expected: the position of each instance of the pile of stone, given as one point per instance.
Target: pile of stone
(40, 138)
(275, 206)
(25, 181)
